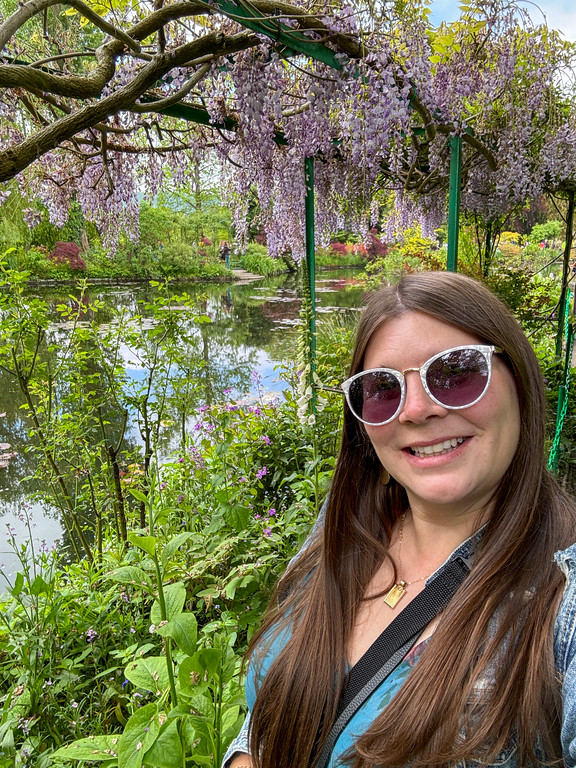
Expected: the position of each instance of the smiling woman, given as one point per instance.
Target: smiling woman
(464, 477)
(441, 470)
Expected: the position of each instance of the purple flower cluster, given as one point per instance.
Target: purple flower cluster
(495, 74)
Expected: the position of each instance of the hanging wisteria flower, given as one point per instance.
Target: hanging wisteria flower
(380, 116)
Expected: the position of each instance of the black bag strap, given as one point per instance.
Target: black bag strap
(388, 650)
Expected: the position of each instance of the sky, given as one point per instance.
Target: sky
(558, 14)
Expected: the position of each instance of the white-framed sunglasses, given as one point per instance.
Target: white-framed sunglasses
(455, 378)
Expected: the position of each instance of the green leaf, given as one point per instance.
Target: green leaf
(131, 574)
(183, 629)
(18, 584)
(208, 660)
(147, 543)
(221, 496)
(166, 752)
(189, 678)
(150, 673)
(231, 587)
(139, 495)
(174, 544)
(38, 586)
(231, 725)
(139, 735)
(229, 718)
(93, 748)
(237, 517)
(174, 597)
(201, 703)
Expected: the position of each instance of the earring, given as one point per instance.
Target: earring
(384, 476)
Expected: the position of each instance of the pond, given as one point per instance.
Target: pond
(252, 329)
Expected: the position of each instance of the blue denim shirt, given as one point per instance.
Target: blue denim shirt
(564, 655)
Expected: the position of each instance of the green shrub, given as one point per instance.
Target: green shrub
(551, 230)
(328, 257)
(255, 259)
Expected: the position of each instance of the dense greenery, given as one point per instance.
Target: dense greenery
(171, 243)
(176, 240)
(130, 654)
(175, 557)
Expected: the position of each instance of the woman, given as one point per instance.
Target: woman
(442, 461)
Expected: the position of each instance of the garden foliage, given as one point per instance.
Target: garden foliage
(130, 654)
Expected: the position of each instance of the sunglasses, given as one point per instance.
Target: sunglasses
(455, 378)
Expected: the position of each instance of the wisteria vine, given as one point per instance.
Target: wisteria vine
(378, 124)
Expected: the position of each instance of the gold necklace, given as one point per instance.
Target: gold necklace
(399, 589)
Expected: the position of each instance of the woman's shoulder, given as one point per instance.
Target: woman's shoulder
(566, 561)
(565, 627)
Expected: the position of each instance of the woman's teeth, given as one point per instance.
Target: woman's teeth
(439, 448)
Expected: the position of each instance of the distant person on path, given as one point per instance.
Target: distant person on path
(225, 251)
(430, 619)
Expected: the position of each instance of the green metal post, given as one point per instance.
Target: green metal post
(563, 394)
(310, 255)
(487, 250)
(454, 202)
(564, 294)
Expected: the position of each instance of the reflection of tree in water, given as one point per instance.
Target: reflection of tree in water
(210, 358)
(15, 482)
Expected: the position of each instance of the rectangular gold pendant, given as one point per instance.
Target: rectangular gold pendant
(396, 594)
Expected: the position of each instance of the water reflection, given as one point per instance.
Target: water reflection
(251, 328)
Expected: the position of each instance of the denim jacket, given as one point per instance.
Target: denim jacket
(564, 655)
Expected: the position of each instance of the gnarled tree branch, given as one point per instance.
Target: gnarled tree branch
(16, 158)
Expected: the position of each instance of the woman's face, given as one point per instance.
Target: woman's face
(451, 480)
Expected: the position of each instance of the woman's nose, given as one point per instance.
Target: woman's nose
(418, 405)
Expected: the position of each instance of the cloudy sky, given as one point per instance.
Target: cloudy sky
(559, 14)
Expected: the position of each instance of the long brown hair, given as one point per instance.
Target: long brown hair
(497, 629)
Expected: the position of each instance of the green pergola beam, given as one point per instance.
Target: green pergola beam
(200, 115)
(294, 40)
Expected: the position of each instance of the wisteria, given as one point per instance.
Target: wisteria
(377, 120)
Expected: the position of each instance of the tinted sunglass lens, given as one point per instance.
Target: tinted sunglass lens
(375, 397)
(458, 378)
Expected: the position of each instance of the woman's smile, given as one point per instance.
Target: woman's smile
(439, 448)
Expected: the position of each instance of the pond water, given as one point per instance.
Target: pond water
(252, 328)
